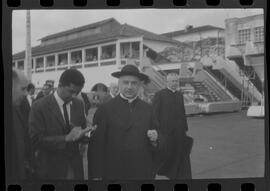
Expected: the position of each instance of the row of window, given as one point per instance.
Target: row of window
(244, 35)
(127, 50)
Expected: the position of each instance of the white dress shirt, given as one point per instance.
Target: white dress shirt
(30, 99)
(60, 103)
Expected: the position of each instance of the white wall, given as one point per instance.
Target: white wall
(92, 75)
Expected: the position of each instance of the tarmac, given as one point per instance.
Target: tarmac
(228, 145)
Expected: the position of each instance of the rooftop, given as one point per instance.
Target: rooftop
(191, 30)
(116, 31)
(79, 29)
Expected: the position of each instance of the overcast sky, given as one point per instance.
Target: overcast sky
(46, 22)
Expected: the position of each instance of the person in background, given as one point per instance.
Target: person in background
(122, 146)
(169, 111)
(57, 126)
(113, 92)
(25, 107)
(83, 147)
(46, 90)
(87, 105)
(99, 92)
(17, 165)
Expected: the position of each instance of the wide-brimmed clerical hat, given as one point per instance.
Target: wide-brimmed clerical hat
(131, 70)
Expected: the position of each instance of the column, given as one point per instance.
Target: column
(69, 59)
(56, 61)
(118, 56)
(83, 57)
(99, 55)
(141, 53)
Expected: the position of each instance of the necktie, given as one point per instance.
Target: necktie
(66, 115)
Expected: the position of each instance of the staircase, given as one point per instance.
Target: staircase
(228, 70)
(214, 86)
(234, 90)
(202, 89)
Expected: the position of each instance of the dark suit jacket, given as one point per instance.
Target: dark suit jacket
(119, 147)
(47, 132)
(169, 111)
(25, 110)
(40, 95)
(15, 162)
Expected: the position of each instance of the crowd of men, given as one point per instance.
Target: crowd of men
(127, 139)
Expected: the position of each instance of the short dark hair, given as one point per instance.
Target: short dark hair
(48, 85)
(72, 76)
(30, 87)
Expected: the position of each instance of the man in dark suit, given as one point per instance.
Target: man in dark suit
(27, 102)
(169, 111)
(25, 107)
(57, 127)
(122, 146)
(16, 160)
(46, 90)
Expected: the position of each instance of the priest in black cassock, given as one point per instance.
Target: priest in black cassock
(122, 146)
(168, 106)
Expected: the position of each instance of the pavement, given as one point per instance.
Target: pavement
(228, 145)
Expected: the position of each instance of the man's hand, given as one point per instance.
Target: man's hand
(92, 129)
(152, 135)
(76, 133)
(73, 134)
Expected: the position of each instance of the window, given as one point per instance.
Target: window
(259, 34)
(76, 57)
(32, 64)
(130, 50)
(62, 59)
(108, 52)
(244, 36)
(50, 61)
(135, 50)
(39, 62)
(13, 64)
(21, 65)
(125, 49)
(91, 54)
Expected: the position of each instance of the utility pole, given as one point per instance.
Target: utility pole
(28, 53)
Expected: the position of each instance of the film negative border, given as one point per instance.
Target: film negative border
(209, 184)
(109, 4)
(257, 184)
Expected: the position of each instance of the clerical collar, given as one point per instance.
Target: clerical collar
(172, 90)
(129, 100)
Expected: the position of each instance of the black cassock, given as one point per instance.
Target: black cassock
(169, 111)
(119, 148)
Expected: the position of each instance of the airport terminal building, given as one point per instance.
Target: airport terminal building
(97, 49)
(196, 53)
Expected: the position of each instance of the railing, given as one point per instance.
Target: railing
(236, 77)
(216, 87)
